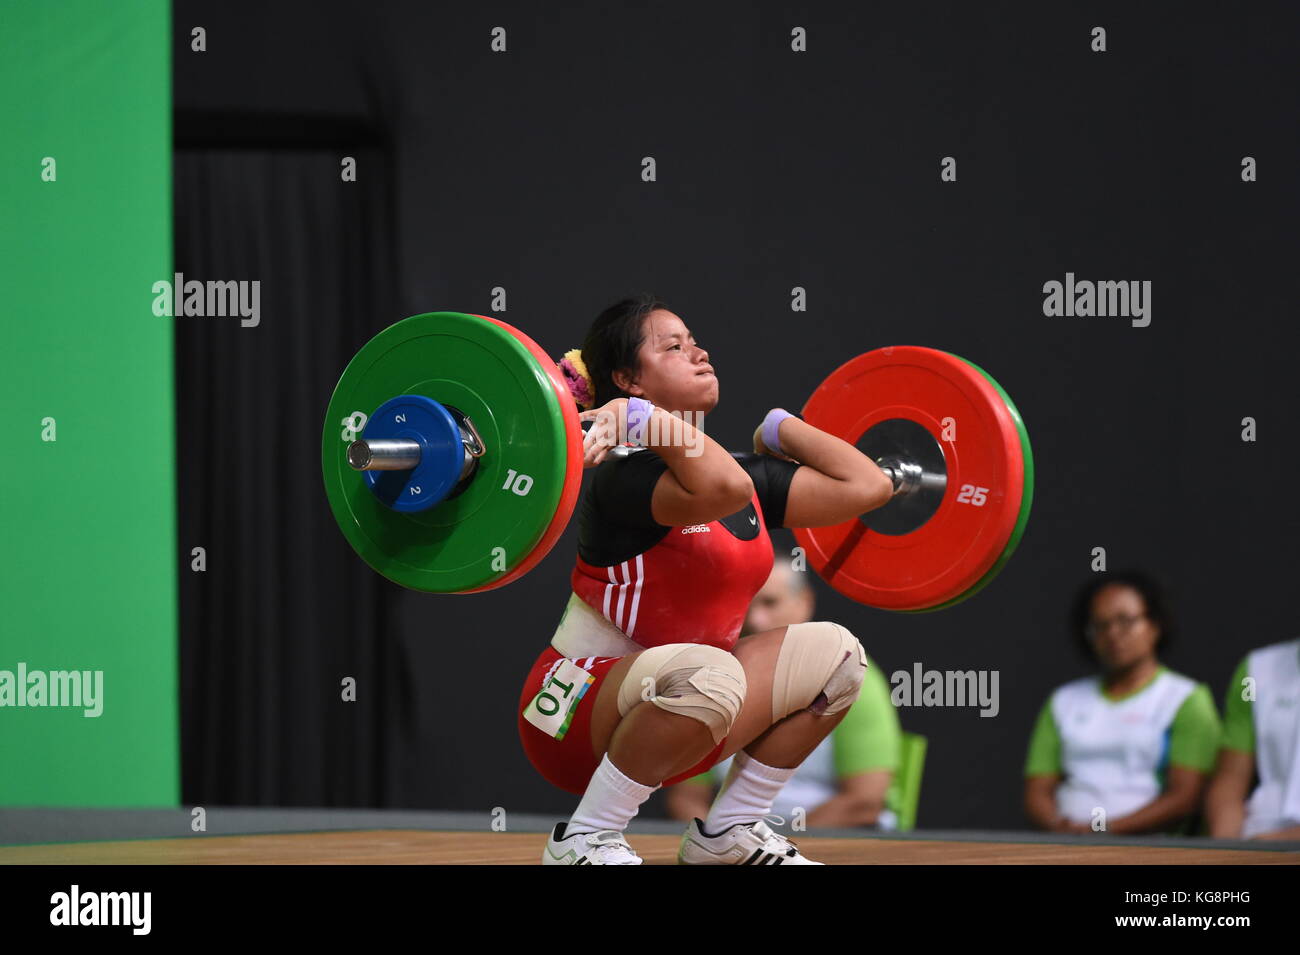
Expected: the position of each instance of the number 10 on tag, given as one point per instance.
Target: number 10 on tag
(551, 710)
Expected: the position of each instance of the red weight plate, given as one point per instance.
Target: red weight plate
(961, 541)
(573, 472)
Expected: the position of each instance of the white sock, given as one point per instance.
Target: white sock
(747, 793)
(610, 802)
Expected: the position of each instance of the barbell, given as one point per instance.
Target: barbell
(453, 458)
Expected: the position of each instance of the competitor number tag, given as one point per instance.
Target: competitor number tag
(551, 710)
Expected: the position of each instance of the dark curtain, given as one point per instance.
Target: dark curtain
(284, 611)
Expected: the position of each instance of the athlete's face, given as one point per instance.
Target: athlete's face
(675, 372)
(1122, 634)
(779, 603)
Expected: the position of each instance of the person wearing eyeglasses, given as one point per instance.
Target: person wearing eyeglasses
(1129, 750)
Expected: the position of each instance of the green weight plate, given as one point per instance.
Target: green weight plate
(1025, 502)
(484, 371)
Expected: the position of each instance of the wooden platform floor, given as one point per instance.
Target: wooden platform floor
(416, 847)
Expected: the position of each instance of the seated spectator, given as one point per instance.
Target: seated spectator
(1261, 743)
(845, 781)
(1130, 750)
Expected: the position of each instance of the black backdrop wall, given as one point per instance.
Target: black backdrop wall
(278, 614)
(776, 169)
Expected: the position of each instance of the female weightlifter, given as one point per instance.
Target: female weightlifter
(645, 682)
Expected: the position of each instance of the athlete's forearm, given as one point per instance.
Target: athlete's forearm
(826, 453)
(699, 463)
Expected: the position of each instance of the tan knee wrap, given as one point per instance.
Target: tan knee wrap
(818, 657)
(703, 682)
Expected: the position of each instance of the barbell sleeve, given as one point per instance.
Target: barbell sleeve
(383, 454)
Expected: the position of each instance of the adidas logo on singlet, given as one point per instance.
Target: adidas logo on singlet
(695, 529)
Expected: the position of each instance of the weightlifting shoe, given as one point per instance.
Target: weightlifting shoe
(745, 843)
(605, 847)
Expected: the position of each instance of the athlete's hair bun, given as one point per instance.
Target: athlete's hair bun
(578, 378)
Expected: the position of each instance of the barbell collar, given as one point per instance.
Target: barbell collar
(469, 436)
(908, 477)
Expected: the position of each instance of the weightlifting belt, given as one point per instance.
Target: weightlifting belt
(585, 632)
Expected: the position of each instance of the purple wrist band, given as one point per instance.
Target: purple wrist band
(772, 428)
(638, 416)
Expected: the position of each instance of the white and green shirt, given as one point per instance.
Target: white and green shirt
(1113, 753)
(1268, 727)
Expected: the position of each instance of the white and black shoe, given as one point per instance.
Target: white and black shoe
(605, 847)
(745, 843)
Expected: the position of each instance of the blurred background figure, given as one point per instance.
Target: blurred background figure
(1136, 742)
(847, 780)
(1261, 741)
